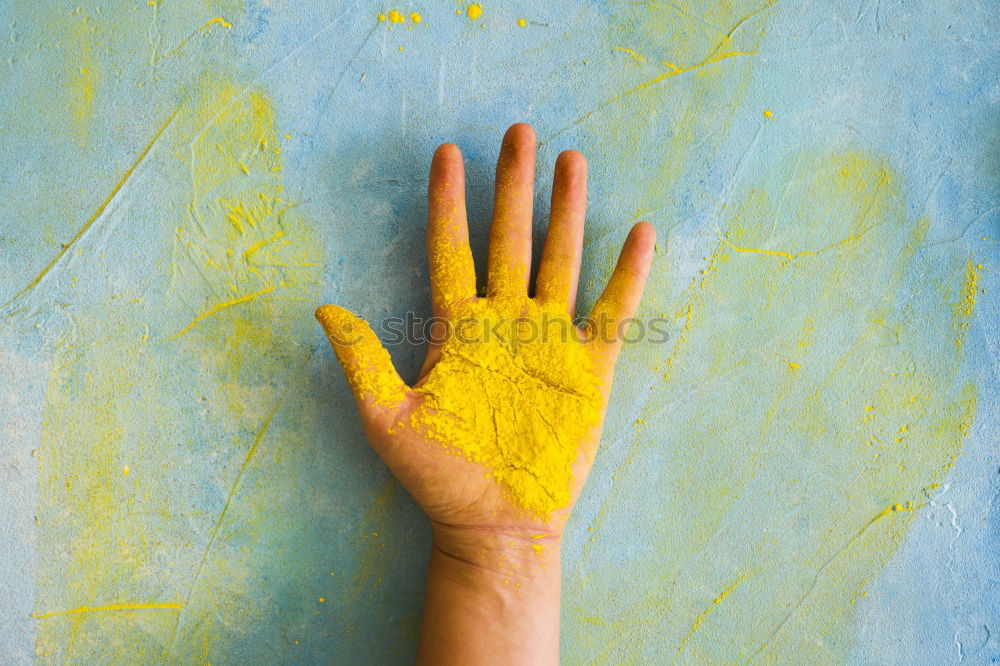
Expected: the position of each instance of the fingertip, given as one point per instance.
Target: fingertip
(521, 127)
(337, 322)
(640, 245)
(571, 159)
(325, 313)
(520, 133)
(447, 151)
(446, 185)
(571, 169)
(447, 164)
(643, 233)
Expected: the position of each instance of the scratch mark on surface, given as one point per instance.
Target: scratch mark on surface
(218, 307)
(895, 508)
(672, 70)
(340, 76)
(788, 255)
(171, 605)
(751, 15)
(218, 20)
(951, 568)
(298, 48)
(153, 33)
(951, 544)
(97, 213)
(715, 602)
(696, 19)
(247, 459)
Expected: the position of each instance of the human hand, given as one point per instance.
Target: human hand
(495, 439)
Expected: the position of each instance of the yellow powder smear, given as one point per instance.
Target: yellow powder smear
(83, 74)
(218, 20)
(513, 399)
(965, 307)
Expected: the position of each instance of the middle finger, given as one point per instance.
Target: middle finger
(510, 231)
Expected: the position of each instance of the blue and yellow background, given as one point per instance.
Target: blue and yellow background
(808, 471)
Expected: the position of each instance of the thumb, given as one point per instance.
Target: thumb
(366, 364)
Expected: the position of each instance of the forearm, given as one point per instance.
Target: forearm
(491, 599)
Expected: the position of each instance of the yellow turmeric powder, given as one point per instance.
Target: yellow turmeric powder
(506, 393)
(513, 397)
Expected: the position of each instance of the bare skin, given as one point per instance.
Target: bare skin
(493, 587)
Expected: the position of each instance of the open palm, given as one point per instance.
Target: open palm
(500, 430)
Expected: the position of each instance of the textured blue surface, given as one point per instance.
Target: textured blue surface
(252, 504)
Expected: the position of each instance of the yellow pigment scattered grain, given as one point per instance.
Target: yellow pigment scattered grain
(967, 304)
(474, 10)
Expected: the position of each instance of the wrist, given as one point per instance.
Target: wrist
(513, 553)
(501, 587)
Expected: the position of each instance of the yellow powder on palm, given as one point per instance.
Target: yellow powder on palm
(513, 397)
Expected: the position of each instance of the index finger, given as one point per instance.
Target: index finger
(452, 271)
